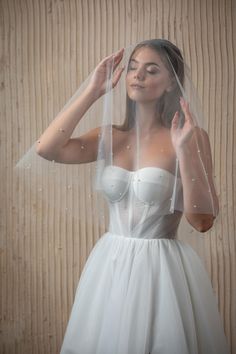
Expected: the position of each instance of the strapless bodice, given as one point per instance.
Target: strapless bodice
(139, 201)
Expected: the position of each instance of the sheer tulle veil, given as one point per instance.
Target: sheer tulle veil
(124, 143)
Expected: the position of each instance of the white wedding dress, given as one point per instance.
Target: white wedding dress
(143, 291)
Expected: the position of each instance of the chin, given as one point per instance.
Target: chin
(136, 96)
(140, 99)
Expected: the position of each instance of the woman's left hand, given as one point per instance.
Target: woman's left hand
(180, 136)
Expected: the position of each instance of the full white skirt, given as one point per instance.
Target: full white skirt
(139, 296)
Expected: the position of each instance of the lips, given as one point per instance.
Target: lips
(137, 86)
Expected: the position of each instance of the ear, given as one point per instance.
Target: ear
(171, 87)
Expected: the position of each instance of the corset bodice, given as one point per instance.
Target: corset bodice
(139, 202)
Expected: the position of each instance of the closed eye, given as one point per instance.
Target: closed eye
(149, 71)
(152, 72)
(131, 68)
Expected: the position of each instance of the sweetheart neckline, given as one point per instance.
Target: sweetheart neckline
(144, 168)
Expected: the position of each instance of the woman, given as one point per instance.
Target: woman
(142, 290)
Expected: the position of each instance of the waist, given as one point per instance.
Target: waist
(143, 236)
(149, 228)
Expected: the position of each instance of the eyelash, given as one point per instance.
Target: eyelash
(150, 72)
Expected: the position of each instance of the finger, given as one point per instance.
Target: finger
(175, 121)
(111, 61)
(106, 60)
(118, 57)
(183, 104)
(185, 108)
(117, 76)
(119, 52)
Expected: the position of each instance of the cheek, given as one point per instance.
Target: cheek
(127, 80)
(158, 86)
(128, 77)
(127, 85)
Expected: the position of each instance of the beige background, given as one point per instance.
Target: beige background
(47, 49)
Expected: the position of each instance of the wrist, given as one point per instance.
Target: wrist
(92, 93)
(182, 152)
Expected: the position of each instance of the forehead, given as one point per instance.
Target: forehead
(146, 55)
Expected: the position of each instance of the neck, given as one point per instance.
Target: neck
(147, 117)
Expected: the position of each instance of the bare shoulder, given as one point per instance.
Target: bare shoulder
(92, 136)
(117, 131)
(118, 134)
(200, 132)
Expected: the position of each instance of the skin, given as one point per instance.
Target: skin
(147, 70)
(152, 81)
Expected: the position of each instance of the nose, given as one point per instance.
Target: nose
(139, 74)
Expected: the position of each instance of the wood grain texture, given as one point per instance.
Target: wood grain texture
(47, 48)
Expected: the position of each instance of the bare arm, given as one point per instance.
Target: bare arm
(56, 142)
(200, 199)
(200, 221)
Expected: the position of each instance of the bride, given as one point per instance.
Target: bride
(143, 291)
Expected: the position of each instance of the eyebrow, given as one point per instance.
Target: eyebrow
(146, 63)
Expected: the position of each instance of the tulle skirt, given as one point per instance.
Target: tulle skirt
(139, 296)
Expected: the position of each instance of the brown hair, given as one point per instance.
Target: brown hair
(168, 103)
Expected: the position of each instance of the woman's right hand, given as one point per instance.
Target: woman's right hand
(60, 146)
(98, 80)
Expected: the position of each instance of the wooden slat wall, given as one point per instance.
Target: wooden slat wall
(47, 49)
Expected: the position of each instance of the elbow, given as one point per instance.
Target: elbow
(44, 153)
(201, 223)
(39, 150)
(204, 226)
